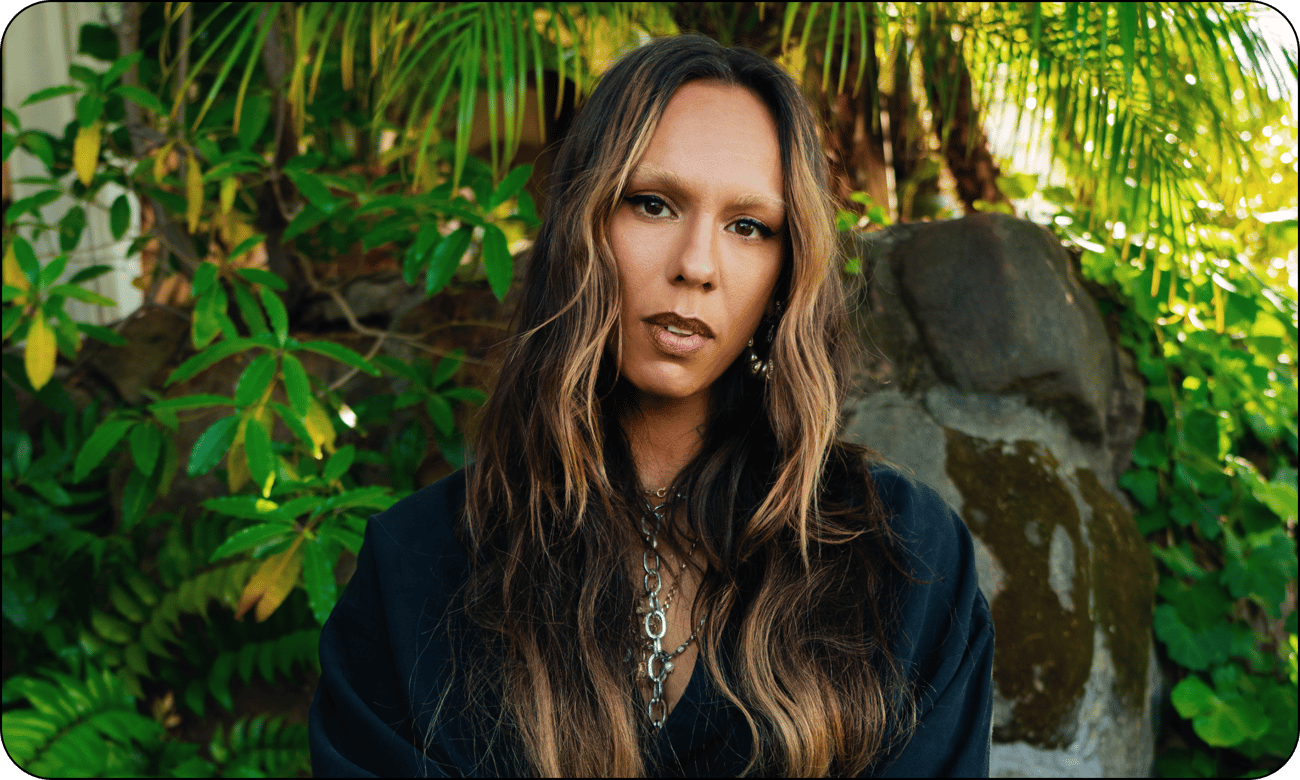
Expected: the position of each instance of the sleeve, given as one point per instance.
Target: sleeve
(948, 641)
(360, 721)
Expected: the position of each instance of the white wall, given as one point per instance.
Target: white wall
(39, 44)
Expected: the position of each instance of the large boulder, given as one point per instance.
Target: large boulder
(991, 377)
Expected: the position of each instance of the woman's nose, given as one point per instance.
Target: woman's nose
(696, 263)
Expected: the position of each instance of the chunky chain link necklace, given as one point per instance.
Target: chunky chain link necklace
(654, 616)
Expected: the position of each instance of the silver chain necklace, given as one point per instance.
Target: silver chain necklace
(658, 664)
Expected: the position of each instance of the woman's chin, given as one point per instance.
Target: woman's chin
(668, 383)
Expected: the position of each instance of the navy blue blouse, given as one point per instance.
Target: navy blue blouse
(382, 669)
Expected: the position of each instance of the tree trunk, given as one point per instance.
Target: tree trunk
(965, 148)
(855, 141)
(916, 180)
(171, 234)
(279, 192)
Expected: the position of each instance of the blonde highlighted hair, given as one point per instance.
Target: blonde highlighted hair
(800, 559)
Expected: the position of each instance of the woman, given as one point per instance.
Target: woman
(661, 561)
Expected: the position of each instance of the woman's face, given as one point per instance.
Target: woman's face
(698, 240)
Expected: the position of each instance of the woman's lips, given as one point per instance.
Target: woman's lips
(673, 344)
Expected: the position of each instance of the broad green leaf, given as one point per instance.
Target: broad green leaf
(102, 334)
(497, 260)
(105, 437)
(49, 93)
(339, 463)
(119, 217)
(341, 354)
(32, 203)
(318, 579)
(207, 322)
(249, 538)
(209, 356)
(119, 66)
(51, 272)
(80, 294)
(137, 495)
(296, 384)
(146, 443)
(446, 259)
(447, 367)
(70, 228)
(212, 445)
(256, 275)
(510, 185)
(308, 218)
(140, 97)
(253, 118)
(250, 311)
(204, 276)
(255, 379)
(351, 541)
(440, 412)
(471, 395)
(261, 458)
(275, 311)
(313, 189)
(1232, 721)
(417, 255)
(1192, 697)
(294, 422)
(247, 507)
(1191, 649)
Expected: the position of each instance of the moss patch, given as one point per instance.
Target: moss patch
(1125, 595)
(1013, 495)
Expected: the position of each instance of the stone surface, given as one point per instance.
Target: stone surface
(994, 305)
(991, 378)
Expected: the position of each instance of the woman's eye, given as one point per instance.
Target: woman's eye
(649, 205)
(748, 228)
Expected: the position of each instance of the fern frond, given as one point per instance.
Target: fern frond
(264, 746)
(77, 727)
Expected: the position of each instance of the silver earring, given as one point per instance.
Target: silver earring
(761, 369)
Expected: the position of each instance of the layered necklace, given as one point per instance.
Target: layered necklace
(657, 663)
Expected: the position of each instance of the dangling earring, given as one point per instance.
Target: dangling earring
(758, 368)
(763, 368)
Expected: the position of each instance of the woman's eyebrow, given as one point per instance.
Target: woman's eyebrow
(648, 173)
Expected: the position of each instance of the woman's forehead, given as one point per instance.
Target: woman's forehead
(716, 136)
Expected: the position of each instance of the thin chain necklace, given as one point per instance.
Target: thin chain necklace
(654, 616)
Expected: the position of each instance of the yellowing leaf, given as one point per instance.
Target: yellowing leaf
(320, 428)
(228, 194)
(193, 192)
(160, 161)
(237, 473)
(14, 276)
(85, 151)
(237, 464)
(271, 583)
(40, 352)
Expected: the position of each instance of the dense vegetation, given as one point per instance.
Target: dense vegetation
(278, 152)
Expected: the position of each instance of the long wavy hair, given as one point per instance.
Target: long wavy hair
(799, 560)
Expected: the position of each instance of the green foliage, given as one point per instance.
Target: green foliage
(115, 607)
(1221, 386)
(118, 605)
